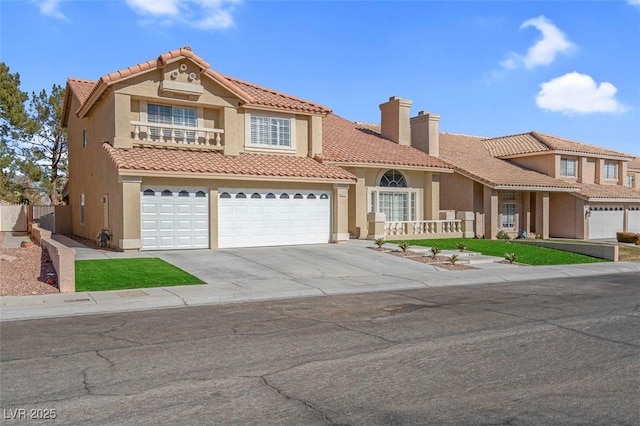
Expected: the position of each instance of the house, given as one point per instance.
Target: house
(170, 154)
(541, 184)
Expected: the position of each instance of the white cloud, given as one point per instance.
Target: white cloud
(576, 93)
(634, 2)
(50, 8)
(203, 14)
(545, 50)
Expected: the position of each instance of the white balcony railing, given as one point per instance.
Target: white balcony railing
(171, 133)
(422, 227)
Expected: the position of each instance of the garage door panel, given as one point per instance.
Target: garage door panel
(605, 221)
(278, 220)
(634, 219)
(174, 221)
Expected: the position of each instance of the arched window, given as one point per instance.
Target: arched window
(183, 193)
(167, 193)
(240, 195)
(298, 196)
(270, 195)
(149, 192)
(311, 197)
(200, 194)
(393, 179)
(256, 195)
(223, 195)
(284, 196)
(324, 196)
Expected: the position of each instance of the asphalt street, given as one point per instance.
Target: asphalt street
(555, 351)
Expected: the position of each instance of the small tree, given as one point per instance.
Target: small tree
(404, 246)
(453, 259)
(510, 257)
(461, 246)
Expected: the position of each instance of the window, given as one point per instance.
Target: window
(225, 195)
(298, 197)
(508, 215)
(172, 115)
(84, 138)
(149, 193)
(311, 197)
(270, 195)
(256, 195)
(270, 131)
(183, 193)
(81, 209)
(167, 193)
(240, 195)
(393, 179)
(568, 167)
(201, 194)
(284, 196)
(508, 195)
(610, 170)
(393, 198)
(631, 181)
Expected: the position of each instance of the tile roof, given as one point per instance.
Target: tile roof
(591, 191)
(346, 142)
(271, 98)
(634, 164)
(469, 156)
(81, 88)
(534, 142)
(250, 94)
(211, 162)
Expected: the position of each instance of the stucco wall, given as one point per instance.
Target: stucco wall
(545, 163)
(566, 216)
(457, 193)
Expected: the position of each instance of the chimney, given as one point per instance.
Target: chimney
(395, 120)
(425, 133)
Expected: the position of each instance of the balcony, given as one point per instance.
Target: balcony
(159, 134)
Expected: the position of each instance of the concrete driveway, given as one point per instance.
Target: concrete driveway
(294, 271)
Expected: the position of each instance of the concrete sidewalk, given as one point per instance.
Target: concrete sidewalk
(273, 273)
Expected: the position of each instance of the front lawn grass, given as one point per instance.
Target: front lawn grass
(530, 255)
(120, 274)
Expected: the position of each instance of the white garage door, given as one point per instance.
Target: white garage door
(174, 218)
(634, 219)
(604, 222)
(254, 218)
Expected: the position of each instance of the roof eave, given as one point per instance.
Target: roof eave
(565, 152)
(442, 169)
(262, 178)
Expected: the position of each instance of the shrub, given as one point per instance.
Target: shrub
(501, 235)
(379, 242)
(453, 259)
(435, 251)
(461, 246)
(404, 246)
(510, 257)
(628, 237)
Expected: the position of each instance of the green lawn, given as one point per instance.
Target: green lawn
(530, 255)
(119, 274)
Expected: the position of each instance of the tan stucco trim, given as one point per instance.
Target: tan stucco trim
(610, 200)
(533, 188)
(563, 152)
(250, 106)
(224, 176)
(388, 166)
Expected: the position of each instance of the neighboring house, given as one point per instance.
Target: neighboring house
(170, 154)
(633, 173)
(542, 184)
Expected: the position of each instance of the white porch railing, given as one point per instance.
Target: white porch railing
(422, 227)
(172, 133)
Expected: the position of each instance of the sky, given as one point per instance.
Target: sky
(489, 68)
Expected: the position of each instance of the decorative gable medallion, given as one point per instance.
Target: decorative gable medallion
(182, 79)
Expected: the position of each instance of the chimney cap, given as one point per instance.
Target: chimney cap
(395, 98)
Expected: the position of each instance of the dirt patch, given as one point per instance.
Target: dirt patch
(91, 243)
(438, 261)
(26, 271)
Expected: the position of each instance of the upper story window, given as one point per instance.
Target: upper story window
(173, 116)
(631, 181)
(508, 195)
(610, 170)
(568, 167)
(271, 131)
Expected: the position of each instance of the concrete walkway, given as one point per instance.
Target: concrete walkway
(13, 240)
(236, 275)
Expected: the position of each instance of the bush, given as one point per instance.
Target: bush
(379, 242)
(502, 235)
(404, 246)
(628, 237)
(435, 251)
